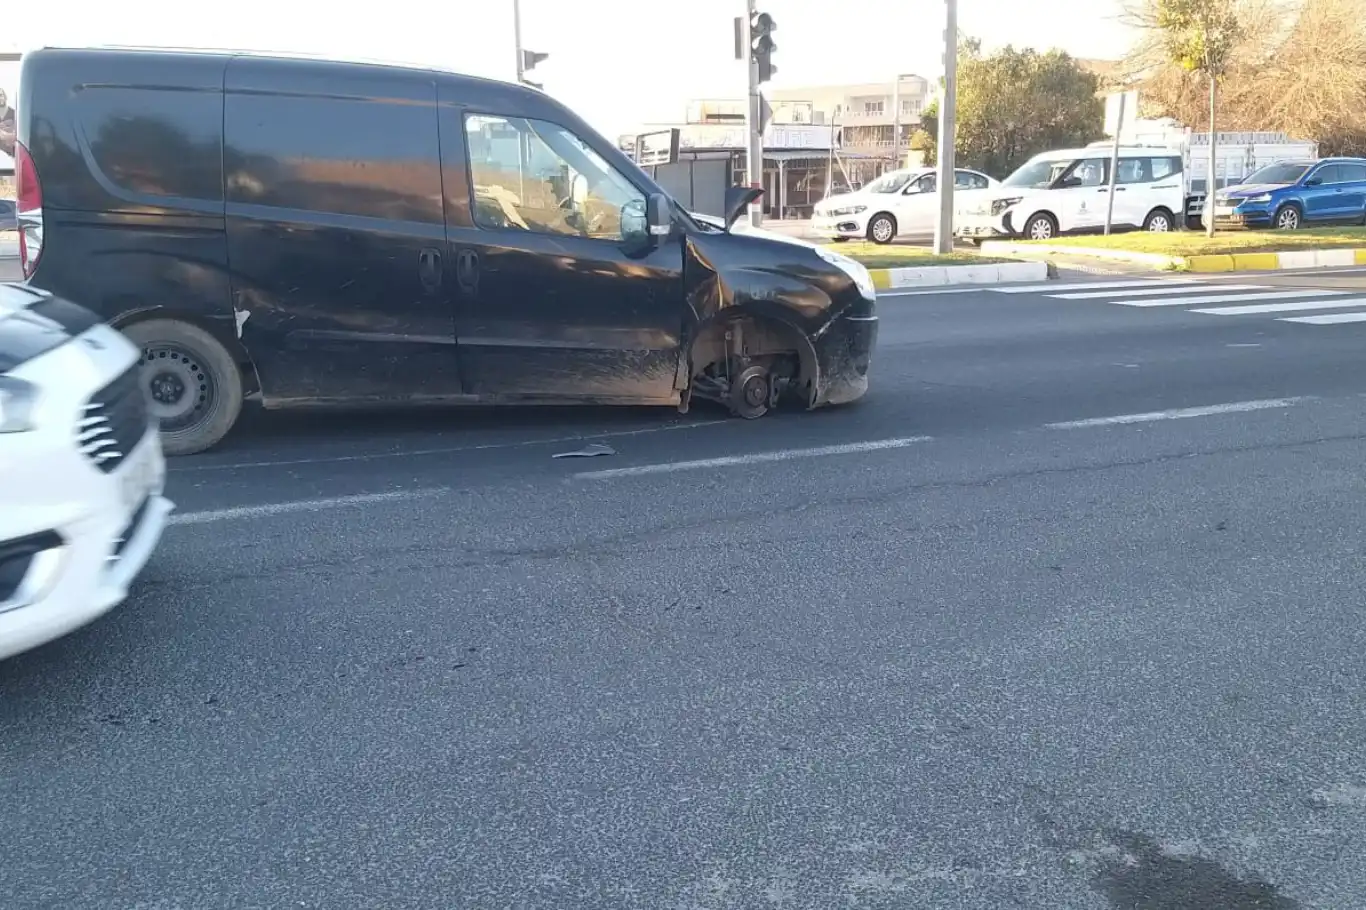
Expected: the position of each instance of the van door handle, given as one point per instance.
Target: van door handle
(467, 270)
(429, 268)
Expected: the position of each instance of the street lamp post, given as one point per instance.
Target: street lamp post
(948, 118)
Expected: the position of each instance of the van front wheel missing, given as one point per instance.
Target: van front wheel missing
(753, 392)
(192, 383)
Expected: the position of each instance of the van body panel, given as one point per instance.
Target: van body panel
(335, 228)
(128, 148)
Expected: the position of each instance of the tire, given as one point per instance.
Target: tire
(1042, 226)
(1159, 221)
(1288, 218)
(180, 360)
(882, 228)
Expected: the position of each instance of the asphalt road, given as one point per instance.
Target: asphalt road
(1066, 614)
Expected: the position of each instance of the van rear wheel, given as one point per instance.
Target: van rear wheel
(193, 385)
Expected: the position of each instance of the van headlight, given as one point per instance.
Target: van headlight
(1000, 205)
(854, 269)
(18, 401)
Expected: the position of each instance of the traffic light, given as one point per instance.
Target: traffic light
(761, 46)
(529, 61)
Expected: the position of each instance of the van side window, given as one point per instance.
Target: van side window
(1134, 170)
(1165, 167)
(531, 175)
(337, 156)
(1088, 172)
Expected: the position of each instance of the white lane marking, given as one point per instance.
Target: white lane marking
(443, 450)
(1236, 407)
(1328, 319)
(1256, 308)
(1228, 298)
(702, 464)
(1154, 292)
(302, 505)
(1091, 285)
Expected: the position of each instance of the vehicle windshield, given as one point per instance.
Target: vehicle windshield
(890, 183)
(1038, 174)
(1282, 173)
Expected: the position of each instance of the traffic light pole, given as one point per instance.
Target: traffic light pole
(948, 119)
(754, 130)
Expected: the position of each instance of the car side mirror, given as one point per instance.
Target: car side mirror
(658, 216)
(1313, 181)
(911, 190)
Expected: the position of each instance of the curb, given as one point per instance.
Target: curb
(943, 275)
(1335, 257)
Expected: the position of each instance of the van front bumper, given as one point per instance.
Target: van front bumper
(844, 353)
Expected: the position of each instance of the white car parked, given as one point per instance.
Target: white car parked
(897, 204)
(1068, 192)
(81, 468)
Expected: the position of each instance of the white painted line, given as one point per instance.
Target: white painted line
(1237, 407)
(1328, 319)
(303, 505)
(1228, 298)
(1255, 309)
(1092, 285)
(442, 450)
(1154, 292)
(671, 467)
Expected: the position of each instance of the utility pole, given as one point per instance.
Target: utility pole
(517, 37)
(754, 128)
(948, 119)
(1114, 166)
(896, 122)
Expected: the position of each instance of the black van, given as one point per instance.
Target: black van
(324, 233)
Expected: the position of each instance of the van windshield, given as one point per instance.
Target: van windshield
(1038, 174)
(1282, 173)
(890, 183)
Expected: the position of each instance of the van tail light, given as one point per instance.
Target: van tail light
(30, 203)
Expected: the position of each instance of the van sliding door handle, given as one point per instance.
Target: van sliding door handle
(429, 268)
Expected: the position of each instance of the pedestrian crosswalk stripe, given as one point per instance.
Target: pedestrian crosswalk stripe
(1152, 292)
(1228, 298)
(1093, 285)
(1326, 319)
(1259, 308)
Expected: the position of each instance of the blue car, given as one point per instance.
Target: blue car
(1294, 194)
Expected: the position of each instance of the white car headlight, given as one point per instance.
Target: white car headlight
(18, 401)
(850, 210)
(855, 270)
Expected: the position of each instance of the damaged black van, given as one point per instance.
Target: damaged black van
(319, 233)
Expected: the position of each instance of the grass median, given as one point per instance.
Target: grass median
(875, 256)
(1195, 243)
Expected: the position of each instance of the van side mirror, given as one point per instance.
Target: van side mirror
(658, 216)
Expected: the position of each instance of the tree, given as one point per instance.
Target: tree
(1202, 36)
(1014, 104)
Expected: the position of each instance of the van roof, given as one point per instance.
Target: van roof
(323, 60)
(1125, 151)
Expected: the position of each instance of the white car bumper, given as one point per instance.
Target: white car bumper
(73, 535)
(851, 227)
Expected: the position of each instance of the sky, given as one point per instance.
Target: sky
(619, 63)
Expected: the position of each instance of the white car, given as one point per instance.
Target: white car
(897, 204)
(81, 468)
(1068, 191)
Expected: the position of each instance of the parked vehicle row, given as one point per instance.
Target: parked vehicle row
(474, 242)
